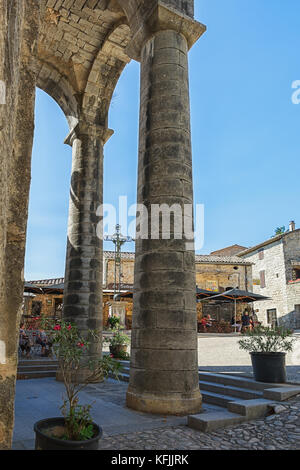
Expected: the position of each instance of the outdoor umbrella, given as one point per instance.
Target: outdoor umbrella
(204, 294)
(200, 294)
(237, 295)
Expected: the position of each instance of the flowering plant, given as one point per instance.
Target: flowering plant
(118, 338)
(70, 347)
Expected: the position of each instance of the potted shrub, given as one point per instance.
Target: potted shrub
(268, 348)
(113, 322)
(118, 343)
(74, 430)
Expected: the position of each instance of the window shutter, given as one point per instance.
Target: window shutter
(262, 279)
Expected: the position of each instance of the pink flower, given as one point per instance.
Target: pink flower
(57, 328)
(80, 345)
(69, 327)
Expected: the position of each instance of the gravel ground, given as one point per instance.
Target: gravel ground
(280, 431)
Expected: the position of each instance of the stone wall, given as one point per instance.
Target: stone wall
(47, 304)
(207, 274)
(216, 276)
(292, 318)
(127, 270)
(274, 267)
(186, 6)
(291, 247)
(276, 262)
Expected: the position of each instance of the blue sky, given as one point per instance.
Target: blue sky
(245, 132)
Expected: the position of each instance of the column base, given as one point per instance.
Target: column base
(170, 404)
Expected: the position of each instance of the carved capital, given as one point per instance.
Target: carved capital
(162, 18)
(94, 131)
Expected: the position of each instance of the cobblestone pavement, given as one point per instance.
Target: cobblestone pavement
(279, 431)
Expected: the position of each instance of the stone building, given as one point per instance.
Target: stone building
(229, 250)
(215, 273)
(276, 274)
(76, 50)
(219, 273)
(46, 298)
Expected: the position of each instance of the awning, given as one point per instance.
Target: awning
(50, 289)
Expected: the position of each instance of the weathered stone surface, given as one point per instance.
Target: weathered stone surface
(83, 277)
(75, 50)
(164, 278)
(18, 20)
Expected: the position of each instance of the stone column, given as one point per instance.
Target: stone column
(164, 363)
(84, 260)
(19, 29)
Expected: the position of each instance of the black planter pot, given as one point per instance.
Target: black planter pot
(45, 442)
(269, 367)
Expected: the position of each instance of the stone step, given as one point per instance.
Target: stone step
(35, 374)
(212, 420)
(216, 398)
(125, 363)
(123, 377)
(251, 409)
(37, 362)
(229, 390)
(237, 381)
(36, 368)
(282, 393)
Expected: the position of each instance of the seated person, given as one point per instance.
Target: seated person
(42, 340)
(203, 323)
(235, 324)
(25, 344)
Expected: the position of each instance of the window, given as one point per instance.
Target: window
(296, 274)
(262, 275)
(297, 308)
(36, 308)
(272, 317)
(261, 253)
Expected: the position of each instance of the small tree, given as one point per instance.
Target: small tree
(280, 230)
(69, 347)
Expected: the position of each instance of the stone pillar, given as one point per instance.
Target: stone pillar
(164, 363)
(84, 260)
(19, 29)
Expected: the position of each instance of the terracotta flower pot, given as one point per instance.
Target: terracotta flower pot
(117, 349)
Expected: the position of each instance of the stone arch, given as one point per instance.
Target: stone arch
(136, 10)
(105, 73)
(56, 86)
